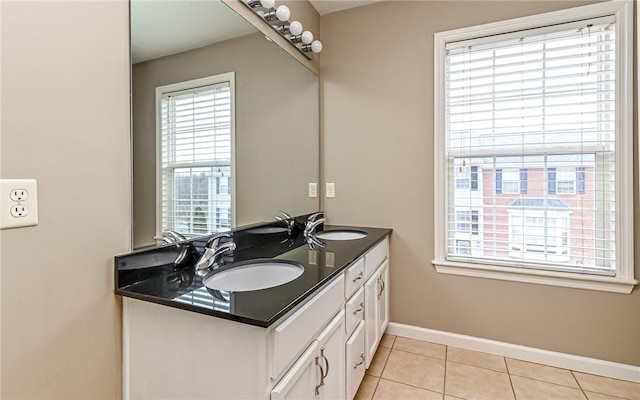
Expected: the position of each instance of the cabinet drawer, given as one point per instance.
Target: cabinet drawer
(355, 360)
(353, 278)
(375, 257)
(292, 336)
(354, 309)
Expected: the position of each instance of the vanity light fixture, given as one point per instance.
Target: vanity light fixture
(282, 13)
(278, 19)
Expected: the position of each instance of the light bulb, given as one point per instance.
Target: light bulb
(295, 28)
(283, 13)
(316, 46)
(307, 37)
(267, 3)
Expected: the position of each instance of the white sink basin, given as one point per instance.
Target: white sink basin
(267, 229)
(340, 235)
(254, 275)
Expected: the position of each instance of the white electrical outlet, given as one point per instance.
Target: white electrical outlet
(313, 189)
(19, 211)
(331, 190)
(19, 195)
(18, 203)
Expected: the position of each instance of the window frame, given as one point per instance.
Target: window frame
(571, 173)
(623, 281)
(463, 178)
(189, 85)
(514, 179)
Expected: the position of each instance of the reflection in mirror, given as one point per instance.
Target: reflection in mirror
(225, 123)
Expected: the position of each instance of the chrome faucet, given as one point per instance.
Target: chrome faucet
(288, 220)
(212, 252)
(313, 221)
(180, 241)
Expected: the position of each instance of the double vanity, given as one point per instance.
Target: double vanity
(279, 318)
(267, 311)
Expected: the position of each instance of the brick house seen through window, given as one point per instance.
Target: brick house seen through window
(528, 213)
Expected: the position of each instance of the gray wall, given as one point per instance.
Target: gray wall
(65, 72)
(378, 145)
(277, 131)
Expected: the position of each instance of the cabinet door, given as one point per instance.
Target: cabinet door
(355, 361)
(332, 355)
(303, 377)
(371, 328)
(383, 299)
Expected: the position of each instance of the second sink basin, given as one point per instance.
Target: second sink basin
(253, 275)
(340, 234)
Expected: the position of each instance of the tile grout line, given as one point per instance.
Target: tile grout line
(513, 390)
(417, 387)
(477, 366)
(384, 366)
(550, 383)
(375, 389)
(424, 355)
(444, 378)
(579, 385)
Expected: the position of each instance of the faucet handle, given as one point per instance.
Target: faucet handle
(313, 217)
(215, 239)
(170, 236)
(289, 221)
(284, 216)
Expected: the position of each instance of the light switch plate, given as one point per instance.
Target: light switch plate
(330, 259)
(331, 190)
(313, 257)
(313, 189)
(18, 203)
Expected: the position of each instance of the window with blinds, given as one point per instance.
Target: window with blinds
(534, 114)
(196, 156)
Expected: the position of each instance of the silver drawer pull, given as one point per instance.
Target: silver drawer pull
(360, 308)
(359, 276)
(381, 285)
(326, 363)
(356, 365)
(322, 376)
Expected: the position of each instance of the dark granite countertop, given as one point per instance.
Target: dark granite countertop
(150, 275)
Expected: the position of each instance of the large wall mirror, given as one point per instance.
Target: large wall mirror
(225, 123)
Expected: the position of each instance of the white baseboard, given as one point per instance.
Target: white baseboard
(560, 360)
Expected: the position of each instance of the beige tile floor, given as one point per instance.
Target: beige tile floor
(411, 369)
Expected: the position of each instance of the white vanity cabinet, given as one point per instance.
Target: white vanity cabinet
(318, 351)
(319, 372)
(173, 353)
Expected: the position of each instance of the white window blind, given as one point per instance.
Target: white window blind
(196, 159)
(534, 112)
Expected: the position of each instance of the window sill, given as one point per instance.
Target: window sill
(550, 278)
